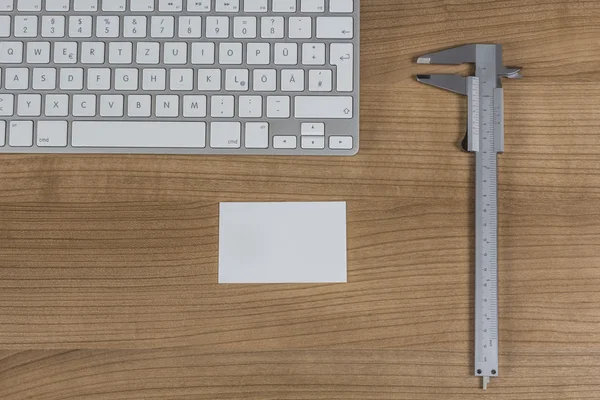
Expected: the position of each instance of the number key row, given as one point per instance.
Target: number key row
(109, 26)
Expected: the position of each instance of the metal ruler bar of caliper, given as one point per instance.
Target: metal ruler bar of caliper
(485, 137)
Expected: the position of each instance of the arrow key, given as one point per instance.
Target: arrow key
(340, 142)
(313, 129)
(313, 142)
(284, 142)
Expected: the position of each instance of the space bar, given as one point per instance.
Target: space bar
(138, 134)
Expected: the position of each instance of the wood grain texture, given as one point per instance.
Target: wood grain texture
(108, 264)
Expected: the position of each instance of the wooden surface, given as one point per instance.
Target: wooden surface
(109, 263)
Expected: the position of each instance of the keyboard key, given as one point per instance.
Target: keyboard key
(209, 79)
(162, 27)
(278, 107)
(167, 106)
(272, 27)
(341, 6)
(138, 134)
(20, 134)
(26, 26)
(113, 5)
(170, 5)
(313, 129)
(198, 5)
(181, 79)
(335, 27)
(147, 53)
(312, 6)
(142, 5)
(340, 142)
(126, 79)
(323, 107)
(284, 142)
(300, 28)
(93, 52)
(134, 27)
(230, 53)
(2, 133)
(265, 80)
(56, 105)
(244, 27)
(53, 26)
(292, 80)
(139, 106)
(111, 105)
(227, 5)
(190, 27)
(258, 53)
(342, 56)
(236, 80)
(120, 52)
(52, 133)
(194, 106)
(320, 80)
(6, 104)
(313, 142)
(225, 135)
(57, 5)
(313, 53)
(284, 6)
(255, 6)
(43, 79)
(154, 79)
(80, 26)
(85, 5)
(175, 53)
(98, 79)
(4, 26)
(203, 53)
(16, 78)
(250, 107)
(71, 79)
(222, 106)
(107, 26)
(38, 52)
(29, 105)
(11, 52)
(257, 135)
(29, 5)
(65, 52)
(217, 27)
(84, 105)
(286, 53)
(7, 5)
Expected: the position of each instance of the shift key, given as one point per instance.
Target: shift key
(323, 107)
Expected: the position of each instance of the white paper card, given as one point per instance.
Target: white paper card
(282, 242)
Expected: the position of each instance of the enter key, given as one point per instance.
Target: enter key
(342, 56)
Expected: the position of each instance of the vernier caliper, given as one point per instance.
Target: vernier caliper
(485, 137)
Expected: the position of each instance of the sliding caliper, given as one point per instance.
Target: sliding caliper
(485, 137)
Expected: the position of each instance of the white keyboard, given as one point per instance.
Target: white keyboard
(265, 77)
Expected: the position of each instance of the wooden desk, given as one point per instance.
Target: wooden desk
(109, 264)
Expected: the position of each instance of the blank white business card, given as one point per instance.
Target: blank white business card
(282, 242)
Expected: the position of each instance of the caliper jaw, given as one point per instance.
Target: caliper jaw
(464, 85)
